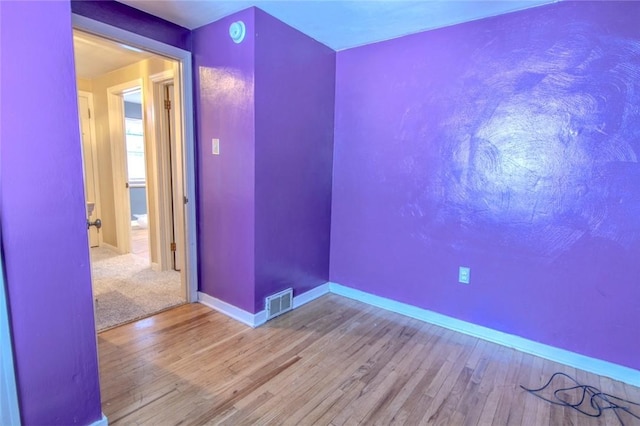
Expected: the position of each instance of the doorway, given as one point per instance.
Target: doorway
(136, 173)
(133, 167)
(171, 167)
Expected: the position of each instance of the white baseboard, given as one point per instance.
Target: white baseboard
(252, 320)
(101, 422)
(572, 359)
(259, 318)
(310, 295)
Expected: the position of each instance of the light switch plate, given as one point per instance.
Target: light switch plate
(215, 146)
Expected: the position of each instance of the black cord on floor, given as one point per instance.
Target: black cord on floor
(598, 400)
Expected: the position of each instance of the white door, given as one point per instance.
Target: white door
(89, 166)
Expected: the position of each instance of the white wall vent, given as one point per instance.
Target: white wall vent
(279, 303)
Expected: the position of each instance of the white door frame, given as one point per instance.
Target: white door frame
(94, 157)
(163, 183)
(118, 144)
(170, 173)
(158, 82)
(177, 174)
(185, 79)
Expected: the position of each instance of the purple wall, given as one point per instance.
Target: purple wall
(295, 87)
(508, 145)
(44, 235)
(128, 18)
(225, 103)
(265, 202)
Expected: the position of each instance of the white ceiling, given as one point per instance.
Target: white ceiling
(96, 56)
(340, 24)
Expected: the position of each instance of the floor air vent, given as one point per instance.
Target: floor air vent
(279, 303)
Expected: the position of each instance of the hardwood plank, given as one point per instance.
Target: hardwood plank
(482, 380)
(333, 361)
(494, 390)
(542, 413)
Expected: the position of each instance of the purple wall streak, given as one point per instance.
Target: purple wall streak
(128, 18)
(225, 103)
(295, 88)
(44, 236)
(508, 145)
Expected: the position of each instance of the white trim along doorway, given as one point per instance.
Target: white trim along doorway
(119, 162)
(184, 181)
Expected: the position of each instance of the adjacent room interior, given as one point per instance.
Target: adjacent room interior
(130, 281)
(451, 212)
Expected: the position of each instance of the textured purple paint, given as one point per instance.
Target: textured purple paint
(44, 236)
(225, 104)
(295, 86)
(128, 18)
(508, 145)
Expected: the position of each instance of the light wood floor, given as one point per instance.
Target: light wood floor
(333, 361)
(140, 242)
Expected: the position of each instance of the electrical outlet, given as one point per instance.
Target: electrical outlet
(464, 275)
(215, 146)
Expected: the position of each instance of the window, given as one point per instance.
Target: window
(135, 151)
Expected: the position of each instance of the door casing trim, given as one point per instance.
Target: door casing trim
(185, 78)
(121, 203)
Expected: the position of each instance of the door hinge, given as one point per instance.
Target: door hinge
(186, 200)
(173, 246)
(89, 112)
(167, 104)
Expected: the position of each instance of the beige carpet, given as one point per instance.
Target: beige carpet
(126, 288)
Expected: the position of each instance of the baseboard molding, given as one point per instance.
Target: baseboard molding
(259, 318)
(101, 422)
(252, 320)
(572, 359)
(310, 295)
(562, 356)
